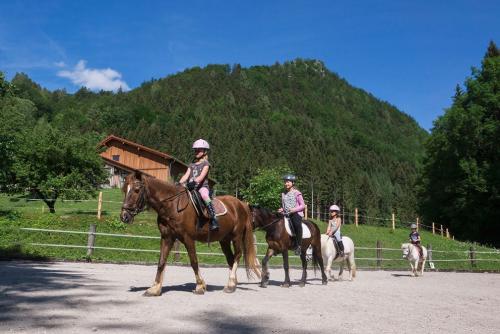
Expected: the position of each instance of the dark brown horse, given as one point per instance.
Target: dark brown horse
(177, 219)
(279, 241)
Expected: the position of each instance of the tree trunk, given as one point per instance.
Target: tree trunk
(51, 204)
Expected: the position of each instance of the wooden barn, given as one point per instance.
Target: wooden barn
(122, 156)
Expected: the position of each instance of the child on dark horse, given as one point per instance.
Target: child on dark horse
(196, 177)
(333, 230)
(292, 206)
(415, 238)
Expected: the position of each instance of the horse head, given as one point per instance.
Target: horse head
(406, 250)
(263, 217)
(135, 199)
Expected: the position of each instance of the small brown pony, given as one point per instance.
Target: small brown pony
(279, 241)
(177, 219)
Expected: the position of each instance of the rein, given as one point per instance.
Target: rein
(141, 202)
(263, 227)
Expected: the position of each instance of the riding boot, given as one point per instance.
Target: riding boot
(214, 225)
(298, 235)
(341, 247)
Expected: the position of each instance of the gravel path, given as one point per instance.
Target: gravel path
(39, 297)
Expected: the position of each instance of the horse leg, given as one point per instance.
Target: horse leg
(422, 269)
(286, 283)
(304, 269)
(165, 246)
(265, 273)
(341, 270)
(231, 284)
(191, 249)
(349, 266)
(319, 259)
(228, 252)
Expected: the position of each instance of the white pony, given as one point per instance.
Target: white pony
(329, 252)
(411, 253)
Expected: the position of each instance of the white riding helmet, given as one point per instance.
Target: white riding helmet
(201, 143)
(413, 226)
(334, 208)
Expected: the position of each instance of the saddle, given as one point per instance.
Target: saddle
(201, 209)
(306, 233)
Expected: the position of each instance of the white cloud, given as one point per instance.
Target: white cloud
(95, 79)
(60, 64)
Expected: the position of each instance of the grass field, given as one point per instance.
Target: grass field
(20, 212)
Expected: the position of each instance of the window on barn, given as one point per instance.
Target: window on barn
(116, 157)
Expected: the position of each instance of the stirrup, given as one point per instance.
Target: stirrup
(213, 225)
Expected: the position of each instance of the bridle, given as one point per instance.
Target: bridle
(140, 205)
(265, 226)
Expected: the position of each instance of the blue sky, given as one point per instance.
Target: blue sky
(409, 53)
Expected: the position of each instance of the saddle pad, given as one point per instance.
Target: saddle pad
(219, 207)
(305, 230)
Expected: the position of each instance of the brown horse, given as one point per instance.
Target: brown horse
(177, 219)
(279, 241)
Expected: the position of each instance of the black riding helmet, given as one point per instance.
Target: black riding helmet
(289, 177)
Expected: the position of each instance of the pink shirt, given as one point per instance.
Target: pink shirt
(299, 203)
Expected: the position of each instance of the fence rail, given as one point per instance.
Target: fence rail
(470, 254)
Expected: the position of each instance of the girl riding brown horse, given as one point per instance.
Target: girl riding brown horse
(279, 241)
(177, 219)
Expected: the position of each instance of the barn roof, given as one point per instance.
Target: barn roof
(109, 138)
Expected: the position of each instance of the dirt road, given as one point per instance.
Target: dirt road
(37, 297)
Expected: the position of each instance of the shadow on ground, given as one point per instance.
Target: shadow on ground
(34, 295)
(225, 322)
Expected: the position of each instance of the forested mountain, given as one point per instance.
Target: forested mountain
(350, 146)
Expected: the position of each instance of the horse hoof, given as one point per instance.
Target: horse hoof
(324, 282)
(199, 291)
(152, 292)
(149, 294)
(302, 284)
(263, 285)
(229, 289)
(285, 285)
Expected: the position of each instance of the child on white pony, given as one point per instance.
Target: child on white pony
(412, 254)
(329, 251)
(333, 229)
(329, 254)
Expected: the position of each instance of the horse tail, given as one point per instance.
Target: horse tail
(352, 263)
(249, 247)
(315, 244)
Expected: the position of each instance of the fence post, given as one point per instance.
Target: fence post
(379, 253)
(356, 216)
(305, 213)
(433, 228)
(447, 233)
(318, 215)
(393, 221)
(441, 230)
(472, 256)
(417, 224)
(99, 205)
(91, 240)
(177, 256)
